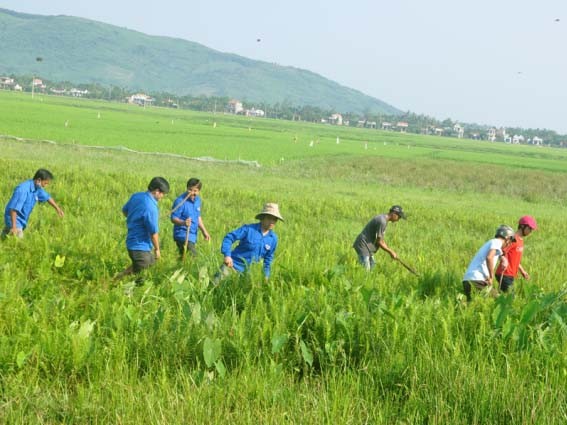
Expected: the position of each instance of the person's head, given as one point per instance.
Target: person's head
(194, 186)
(269, 216)
(396, 213)
(526, 225)
(159, 187)
(505, 233)
(42, 177)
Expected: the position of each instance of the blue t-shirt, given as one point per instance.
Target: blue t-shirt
(252, 247)
(142, 221)
(24, 198)
(189, 209)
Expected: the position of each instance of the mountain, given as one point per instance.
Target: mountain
(85, 51)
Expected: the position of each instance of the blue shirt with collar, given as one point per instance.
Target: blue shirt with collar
(253, 246)
(24, 198)
(189, 209)
(142, 221)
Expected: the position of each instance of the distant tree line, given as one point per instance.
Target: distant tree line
(417, 123)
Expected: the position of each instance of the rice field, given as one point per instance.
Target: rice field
(323, 341)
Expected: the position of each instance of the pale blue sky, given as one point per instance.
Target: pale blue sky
(498, 62)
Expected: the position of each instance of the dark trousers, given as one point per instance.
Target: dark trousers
(505, 282)
(190, 248)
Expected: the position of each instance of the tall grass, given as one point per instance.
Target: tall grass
(323, 341)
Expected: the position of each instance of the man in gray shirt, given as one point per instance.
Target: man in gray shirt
(372, 237)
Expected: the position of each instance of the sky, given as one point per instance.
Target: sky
(493, 62)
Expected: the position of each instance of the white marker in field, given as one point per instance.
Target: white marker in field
(98, 116)
(311, 144)
(215, 124)
(66, 123)
(338, 140)
(366, 145)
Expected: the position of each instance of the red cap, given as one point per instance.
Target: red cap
(529, 221)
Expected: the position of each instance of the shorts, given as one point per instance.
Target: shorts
(141, 260)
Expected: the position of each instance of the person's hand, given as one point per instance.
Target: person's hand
(393, 255)
(158, 254)
(60, 213)
(504, 263)
(228, 262)
(206, 236)
(188, 222)
(525, 274)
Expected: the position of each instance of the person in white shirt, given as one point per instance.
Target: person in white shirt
(480, 272)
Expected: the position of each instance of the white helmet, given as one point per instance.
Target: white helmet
(504, 231)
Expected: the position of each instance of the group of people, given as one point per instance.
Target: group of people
(258, 241)
(499, 258)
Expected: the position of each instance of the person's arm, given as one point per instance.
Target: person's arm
(177, 214)
(204, 230)
(178, 221)
(14, 219)
(524, 273)
(52, 202)
(268, 258)
(382, 244)
(490, 263)
(227, 242)
(155, 242)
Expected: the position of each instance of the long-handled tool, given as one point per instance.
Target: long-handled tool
(407, 267)
(186, 245)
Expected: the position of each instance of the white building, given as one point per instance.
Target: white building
(459, 130)
(402, 126)
(336, 119)
(235, 106)
(255, 113)
(141, 99)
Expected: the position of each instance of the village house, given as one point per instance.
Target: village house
(7, 82)
(517, 139)
(336, 119)
(38, 84)
(235, 107)
(141, 99)
(386, 125)
(80, 93)
(58, 92)
(491, 135)
(458, 130)
(538, 141)
(17, 87)
(402, 126)
(254, 112)
(370, 124)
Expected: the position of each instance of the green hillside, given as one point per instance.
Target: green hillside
(84, 51)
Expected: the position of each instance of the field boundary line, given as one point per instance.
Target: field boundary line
(255, 164)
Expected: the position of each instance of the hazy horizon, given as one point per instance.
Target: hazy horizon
(487, 63)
